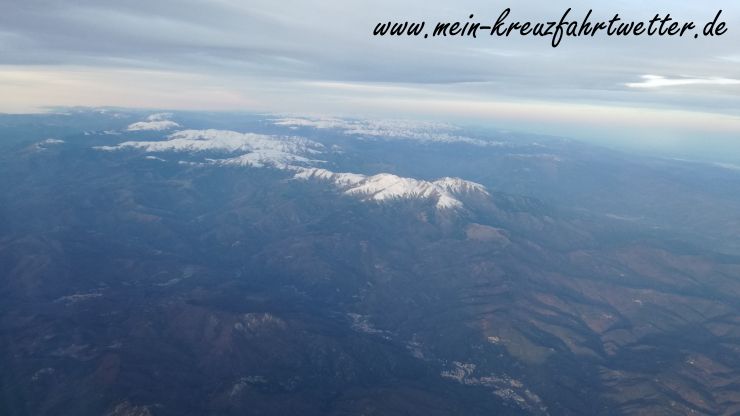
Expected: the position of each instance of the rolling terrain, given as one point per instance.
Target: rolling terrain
(189, 263)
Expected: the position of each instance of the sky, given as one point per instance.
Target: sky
(320, 57)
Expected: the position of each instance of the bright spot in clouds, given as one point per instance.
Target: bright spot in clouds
(657, 81)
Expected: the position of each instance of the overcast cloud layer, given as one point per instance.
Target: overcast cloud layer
(300, 56)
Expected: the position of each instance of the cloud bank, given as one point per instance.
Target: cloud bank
(296, 56)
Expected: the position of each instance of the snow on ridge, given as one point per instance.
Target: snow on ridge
(387, 187)
(45, 144)
(295, 154)
(159, 117)
(318, 123)
(160, 125)
(421, 131)
(460, 186)
(221, 140)
(262, 158)
(258, 150)
(154, 122)
(729, 166)
(343, 179)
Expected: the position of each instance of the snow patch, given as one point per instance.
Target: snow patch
(154, 122)
(152, 125)
(421, 131)
(53, 141)
(262, 158)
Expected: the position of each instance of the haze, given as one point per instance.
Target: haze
(677, 96)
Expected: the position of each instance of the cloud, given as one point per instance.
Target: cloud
(297, 56)
(657, 81)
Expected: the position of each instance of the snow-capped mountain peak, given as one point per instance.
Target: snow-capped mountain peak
(385, 187)
(460, 186)
(296, 154)
(342, 179)
(222, 140)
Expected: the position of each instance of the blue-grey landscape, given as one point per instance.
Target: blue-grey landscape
(222, 207)
(194, 263)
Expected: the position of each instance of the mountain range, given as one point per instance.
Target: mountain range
(222, 263)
